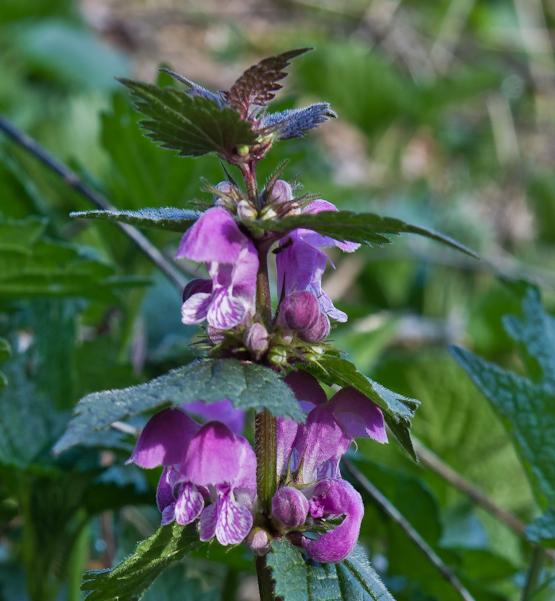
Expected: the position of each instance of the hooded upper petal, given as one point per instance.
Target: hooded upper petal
(335, 498)
(316, 239)
(164, 439)
(360, 416)
(321, 441)
(214, 237)
(306, 389)
(217, 456)
(222, 411)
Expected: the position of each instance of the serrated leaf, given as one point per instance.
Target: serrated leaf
(247, 385)
(256, 86)
(526, 405)
(364, 228)
(298, 578)
(542, 531)
(398, 410)
(292, 123)
(165, 218)
(129, 580)
(190, 124)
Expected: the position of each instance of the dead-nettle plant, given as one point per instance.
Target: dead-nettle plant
(284, 497)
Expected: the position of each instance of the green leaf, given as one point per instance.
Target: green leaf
(526, 405)
(5, 352)
(364, 228)
(542, 531)
(247, 385)
(30, 266)
(20, 236)
(398, 409)
(131, 578)
(298, 578)
(192, 125)
(166, 218)
(259, 82)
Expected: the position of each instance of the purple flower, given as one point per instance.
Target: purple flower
(232, 263)
(308, 456)
(301, 263)
(332, 499)
(222, 411)
(208, 463)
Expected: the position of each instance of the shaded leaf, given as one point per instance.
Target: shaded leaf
(192, 125)
(398, 409)
(5, 352)
(298, 578)
(292, 123)
(165, 218)
(542, 531)
(526, 404)
(131, 578)
(256, 86)
(247, 385)
(34, 267)
(364, 228)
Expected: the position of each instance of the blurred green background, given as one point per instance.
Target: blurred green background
(446, 119)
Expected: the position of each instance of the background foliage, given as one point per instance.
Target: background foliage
(446, 121)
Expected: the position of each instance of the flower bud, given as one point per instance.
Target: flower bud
(245, 210)
(215, 335)
(317, 332)
(268, 212)
(258, 541)
(227, 189)
(300, 310)
(197, 286)
(290, 507)
(282, 192)
(256, 338)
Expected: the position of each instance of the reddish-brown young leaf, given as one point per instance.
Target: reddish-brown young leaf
(258, 84)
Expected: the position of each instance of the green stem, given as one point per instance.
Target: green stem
(533, 572)
(263, 295)
(266, 479)
(265, 585)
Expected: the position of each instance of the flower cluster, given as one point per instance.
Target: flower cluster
(227, 300)
(210, 472)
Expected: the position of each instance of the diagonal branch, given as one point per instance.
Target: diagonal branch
(398, 518)
(73, 181)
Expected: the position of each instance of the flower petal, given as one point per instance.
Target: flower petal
(168, 515)
(225, 310)
(290, 507)
(164, 439)
(234, 521)
(217, 456)
(164, 492)
(306, 389)
(195, 308)
(286, 435)
(222, 411)
(189, 504)
(214, 237)
(358, 414)
(335, 498)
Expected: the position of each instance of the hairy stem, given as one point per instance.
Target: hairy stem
(533, 572)
(263, 295)
(249, 174)
(265, 585)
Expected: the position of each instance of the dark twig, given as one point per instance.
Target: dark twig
(72, 180)
(398, 518)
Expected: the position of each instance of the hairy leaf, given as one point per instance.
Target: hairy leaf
(365, 228)
(398, 410)
(191, 124)
(247, 385)
(293, 122)
(526, 404)
(129, 580)
(258, 83)
(298, 578)
(164, 218)
(195, 89)
(542, 531)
